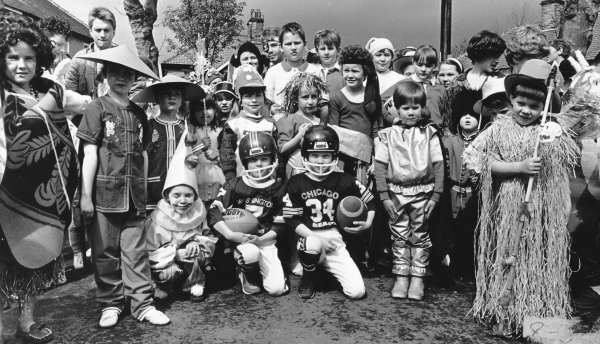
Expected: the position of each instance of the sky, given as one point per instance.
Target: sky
(403, 22)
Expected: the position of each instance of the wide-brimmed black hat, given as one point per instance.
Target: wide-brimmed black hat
(191, 91)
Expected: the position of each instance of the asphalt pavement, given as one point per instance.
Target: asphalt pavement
(229, 316)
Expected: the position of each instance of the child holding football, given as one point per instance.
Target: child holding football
(257, 192)
(310, 204)
(409, 171)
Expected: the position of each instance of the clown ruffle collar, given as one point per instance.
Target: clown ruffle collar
(166, 217)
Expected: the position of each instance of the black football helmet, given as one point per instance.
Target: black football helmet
(256, 144)
(320, 138)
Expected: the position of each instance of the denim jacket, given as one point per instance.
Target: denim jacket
(121, 134)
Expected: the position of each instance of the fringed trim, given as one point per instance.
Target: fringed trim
(18, 280)
(541, 285)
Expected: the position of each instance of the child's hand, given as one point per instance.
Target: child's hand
(360, 226)
(474, 177)
(242, 237)
(303, 128)
(87, 206)
(192, 249)
(531, 165)
(371, 170)
(206, 142)
(429, 206)
(328, 244)
(211, 154)
(388, 205)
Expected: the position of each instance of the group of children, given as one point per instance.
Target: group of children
(156, 190)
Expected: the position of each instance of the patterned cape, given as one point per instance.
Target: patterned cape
(41, 166)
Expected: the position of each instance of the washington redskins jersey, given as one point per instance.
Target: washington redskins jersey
(264, 201)
(314, 203)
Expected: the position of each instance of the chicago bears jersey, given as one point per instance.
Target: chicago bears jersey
(264, 203)
(314, 203)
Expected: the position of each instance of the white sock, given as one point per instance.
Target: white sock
(446, 261)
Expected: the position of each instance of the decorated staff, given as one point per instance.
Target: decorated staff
(502, 154)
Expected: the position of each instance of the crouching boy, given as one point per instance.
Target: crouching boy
(257, 192)
(310, 204)
(177, 245)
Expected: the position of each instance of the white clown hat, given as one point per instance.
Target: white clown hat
(182, 170)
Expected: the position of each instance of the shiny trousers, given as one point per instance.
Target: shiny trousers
(410, 235)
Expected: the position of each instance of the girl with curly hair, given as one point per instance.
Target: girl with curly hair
(301, 97)
(357, 106)
(34, 193)
(58, 32)
(356, 111)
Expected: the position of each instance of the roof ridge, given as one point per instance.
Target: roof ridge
(67, 12)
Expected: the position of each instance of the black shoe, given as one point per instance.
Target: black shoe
(306, 289)
(365, 268)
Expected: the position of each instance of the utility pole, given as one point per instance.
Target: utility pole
(446, 31)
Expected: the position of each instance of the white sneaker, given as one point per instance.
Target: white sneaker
(77, 260)
(197, 290)
(197, 293)
(109, 318)
(156, 317)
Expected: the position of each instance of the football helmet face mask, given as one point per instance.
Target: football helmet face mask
(320, 138)
(257, 144)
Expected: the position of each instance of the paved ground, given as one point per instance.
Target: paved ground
(229, 316)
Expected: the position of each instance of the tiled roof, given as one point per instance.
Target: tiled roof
(182, 59)
(47, 8)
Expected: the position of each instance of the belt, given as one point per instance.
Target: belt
(462, 189)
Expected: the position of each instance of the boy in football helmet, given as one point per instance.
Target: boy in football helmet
(310, 204)
(257, 192)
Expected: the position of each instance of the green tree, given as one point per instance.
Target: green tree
(217, 21)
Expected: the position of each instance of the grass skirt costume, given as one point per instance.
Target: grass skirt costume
(33, 205)
(541, 286)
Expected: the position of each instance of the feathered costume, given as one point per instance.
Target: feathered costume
(542, 269)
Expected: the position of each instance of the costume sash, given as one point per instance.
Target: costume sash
(355, 144)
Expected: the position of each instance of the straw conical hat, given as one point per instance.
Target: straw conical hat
(123, 56)
(191, 91)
